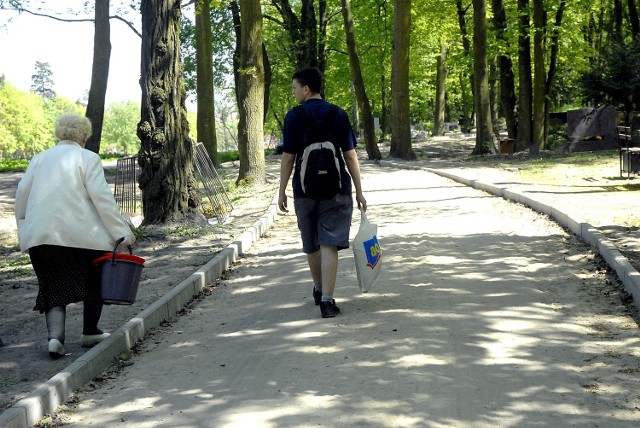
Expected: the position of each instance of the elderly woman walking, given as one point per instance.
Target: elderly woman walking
(67, 217)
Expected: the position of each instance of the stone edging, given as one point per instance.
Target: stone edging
(47, 397)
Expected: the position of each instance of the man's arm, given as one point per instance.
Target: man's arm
(286, 167)
(351, 160)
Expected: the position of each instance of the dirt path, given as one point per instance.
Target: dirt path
(475, 322)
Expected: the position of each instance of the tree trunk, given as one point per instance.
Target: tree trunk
(505, 67)
(467, 115)
(307, 33)
(482, 105)
(633, 18)
(539, 75)
(401, 128)
(524, 133)
(373, 152)
(169, 191)
(251, 95)
(553, 61)
(99, 74)
(441, 78)
(235, 13)
(206, 123)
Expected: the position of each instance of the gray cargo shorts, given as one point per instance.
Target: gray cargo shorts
(324, 222)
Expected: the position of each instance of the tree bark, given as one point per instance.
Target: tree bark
(525, 121)
(484, 126)
(251, 95)
(553, 61)
(539, 75)
(373, 152)
(505, 66)
(633, 18)
(206, 124)
(167, 181)
(401, 128)
(467, 115)
(99, 74)
(441, 78)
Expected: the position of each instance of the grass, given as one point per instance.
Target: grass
(13, 165)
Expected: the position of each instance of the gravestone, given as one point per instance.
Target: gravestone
(591, 129)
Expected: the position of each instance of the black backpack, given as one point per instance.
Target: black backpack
(319, 164)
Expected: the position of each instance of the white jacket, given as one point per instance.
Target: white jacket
(64, 199)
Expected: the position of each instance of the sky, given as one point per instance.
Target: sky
(68, 48)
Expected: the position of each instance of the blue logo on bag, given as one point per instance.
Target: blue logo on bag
(372, 250)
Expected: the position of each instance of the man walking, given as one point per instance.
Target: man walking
(324, 216)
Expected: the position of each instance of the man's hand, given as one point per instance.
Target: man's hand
(362, 202)
(282, 202)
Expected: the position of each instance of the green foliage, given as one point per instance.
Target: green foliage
(24, 123)
(119, 129)
(13, 165)
(228, 156)
(614, 79)
(42, 81)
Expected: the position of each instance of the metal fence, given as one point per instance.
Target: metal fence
(129, 197)
(213, 187)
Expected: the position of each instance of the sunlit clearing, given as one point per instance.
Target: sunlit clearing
(197, 392)
(457, 291)
(507, 348)
(268, 414)
(444, 260)
(137, 404)
(420, 284)
(297, 324)
(318, 349)
(420, 360)
(8, 365)
(247, 290)
(306, 335)
(248, 333)
(185, 344)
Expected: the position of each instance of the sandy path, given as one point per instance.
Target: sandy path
(475, 321)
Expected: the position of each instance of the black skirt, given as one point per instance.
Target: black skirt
(65, 275)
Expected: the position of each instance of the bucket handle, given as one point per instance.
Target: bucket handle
(118, 242)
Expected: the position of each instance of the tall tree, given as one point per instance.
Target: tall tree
(42, 81)
(633, 18)
(307, 33)
(358, 84)
(251, 94)
(525, 99)
(539, 75)
(441, 78)
(467, 114)
(99, 73)
(400, 104)
(167, 180)
(206, 124)
(484, 126)
(505, 66)
(553, 62)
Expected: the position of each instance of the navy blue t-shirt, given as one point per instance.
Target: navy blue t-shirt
(293, 138)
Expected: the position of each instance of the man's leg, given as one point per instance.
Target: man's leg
(329, 268)
(315, 266)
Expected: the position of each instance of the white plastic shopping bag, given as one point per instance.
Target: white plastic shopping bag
(367, 253)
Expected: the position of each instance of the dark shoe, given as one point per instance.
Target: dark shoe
(329, 309)
(317, 295)
(56, 349)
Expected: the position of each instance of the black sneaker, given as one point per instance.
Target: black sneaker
(317, 295)
(329, 309)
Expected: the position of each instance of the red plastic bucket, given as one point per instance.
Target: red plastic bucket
(120, 276)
